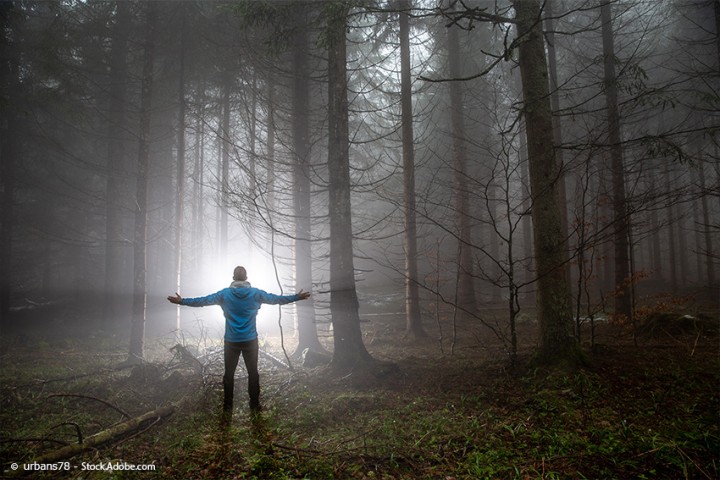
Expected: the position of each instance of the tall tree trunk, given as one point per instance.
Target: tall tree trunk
(305, 311)
(672, 250)
(224, 177)
(180, 182)
(252, 166)
(413, 320)
(10, 147)
(349, 349)
(623, 297)
(270, 164)
(198, 211)
(655, 237)
(557, 125)
(553, 303)
(709, 253)
(137, 327)
(117, 169)
(465, 281)
(527, 227)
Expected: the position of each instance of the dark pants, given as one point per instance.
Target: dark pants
(249, 351)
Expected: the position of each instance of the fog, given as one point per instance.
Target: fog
(506, 214)
(150, 147)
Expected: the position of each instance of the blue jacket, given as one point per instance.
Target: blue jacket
(240, 306)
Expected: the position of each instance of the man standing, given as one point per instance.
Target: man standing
(240, 304)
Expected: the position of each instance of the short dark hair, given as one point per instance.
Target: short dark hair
(240, 274)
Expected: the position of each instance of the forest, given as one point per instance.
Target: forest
(507, 214)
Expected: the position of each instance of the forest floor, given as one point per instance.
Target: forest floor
(640, 408)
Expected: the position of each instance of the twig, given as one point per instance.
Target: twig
(77, 429)
(682, 453)
(277, 278)
(692, 352)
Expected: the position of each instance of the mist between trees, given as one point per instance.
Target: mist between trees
(555, 161)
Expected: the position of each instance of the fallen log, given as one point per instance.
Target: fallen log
(274, 359)
(106, 436)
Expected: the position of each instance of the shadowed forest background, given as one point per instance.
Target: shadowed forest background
(507, 212)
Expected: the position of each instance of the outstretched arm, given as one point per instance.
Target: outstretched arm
(269, 298)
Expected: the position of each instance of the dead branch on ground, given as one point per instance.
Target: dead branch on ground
(106, 436)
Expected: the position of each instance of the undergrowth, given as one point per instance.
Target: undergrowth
(645, 412)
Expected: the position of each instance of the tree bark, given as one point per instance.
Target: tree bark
(553, 304)
(198, 176)
(116, 253)
(557, 125)
(137, 328)
(224, 177)
(527, 227)
(180, 178)
(623, 297)
(466, 282)
(706, 227)
(306, 321)
(672, 250)
(413, 320)
(10, 149)
(349, 349)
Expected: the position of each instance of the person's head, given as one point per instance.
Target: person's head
(240, 274)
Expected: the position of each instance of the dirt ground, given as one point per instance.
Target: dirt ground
(644, 406)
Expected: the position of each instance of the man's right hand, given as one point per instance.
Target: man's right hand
(176, 299)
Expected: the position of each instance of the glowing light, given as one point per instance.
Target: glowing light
(260, 271)
(261, 274)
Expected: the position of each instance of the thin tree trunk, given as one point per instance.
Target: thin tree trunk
(116, 248)
(672, 251)
(224, 169)
(413, 320)
(306, 321)
(655, 237)
(349, 349)
(198, 211)
(252, 167)
(623, 297)
(270, 164)
(10, 149)
(180, 182)
(553, 303)
(527, 227)
(137, 328)
(467, 301)
(557, 125)
(706, 227)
